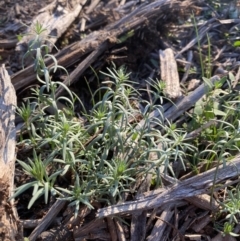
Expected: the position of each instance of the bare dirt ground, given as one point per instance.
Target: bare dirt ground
(91, 41)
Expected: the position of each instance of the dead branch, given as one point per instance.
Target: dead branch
(196, 185)
(48, 219)
(55, 18)
(10, 229)
(73, 53)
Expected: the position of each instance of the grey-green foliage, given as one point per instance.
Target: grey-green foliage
(103, 156)
(231, 208)
(221, 140)
(108, 164)
(107, 153)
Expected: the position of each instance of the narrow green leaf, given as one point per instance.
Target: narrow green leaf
(46, 189)
(22, 189)
(37, 195)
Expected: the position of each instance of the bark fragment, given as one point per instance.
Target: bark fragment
(169, 74)
(10, 228)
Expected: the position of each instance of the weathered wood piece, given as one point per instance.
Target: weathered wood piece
(8, 44)
(169, 74)
(187, 66)
(9, 224)
(196, 185)
(179, 108)
(160, 225)
(33, 223)
(112, 229)
(58, 233)
(55, 18)
(75, 52)
(139, 220)
(48, 219)
(90, 8)
(94, 228)
(203, 201)
(185, 104)
(201, 33)
(120, 230)
(83, 66)
(201, 223)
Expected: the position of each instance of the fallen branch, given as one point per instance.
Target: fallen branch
(81, 49)
(55, 18)
(196, 185)
(182, 106)
(10, 229)
(48, 219)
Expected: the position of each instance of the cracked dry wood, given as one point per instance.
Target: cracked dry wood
(169, 74)
(160, 225)
(76, 51)
(139, 220)
(10, 229)
(203, 201)
(55, 19)
(193, 186)
(94, 229)
(47, 219)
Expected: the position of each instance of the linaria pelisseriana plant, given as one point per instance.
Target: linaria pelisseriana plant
(106, 154)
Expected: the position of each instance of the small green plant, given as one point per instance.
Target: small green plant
(231, 207)
(221, 140)
(79, 193)
(205, 63)
(42, 184)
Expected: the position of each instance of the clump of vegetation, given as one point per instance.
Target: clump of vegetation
(231, 208)
(105, 154)
(101, 153)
